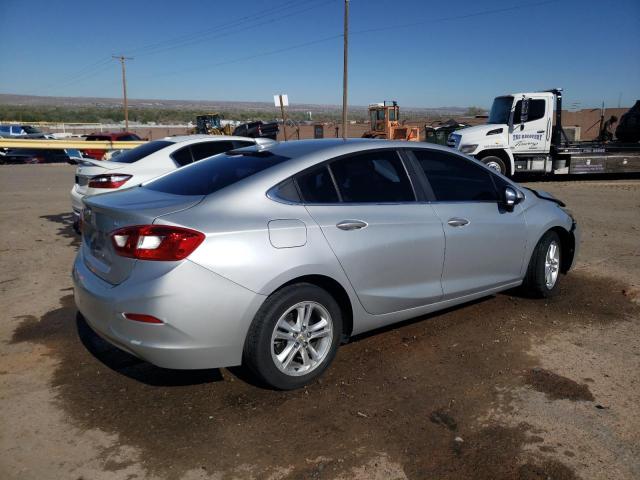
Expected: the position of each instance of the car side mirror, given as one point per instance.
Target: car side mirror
(511, 198)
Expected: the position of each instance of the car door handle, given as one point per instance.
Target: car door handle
(351, 225)
(458, 222)
(540, 131)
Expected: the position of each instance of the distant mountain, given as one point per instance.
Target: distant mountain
(213, 105)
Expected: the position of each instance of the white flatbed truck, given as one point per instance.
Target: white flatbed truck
(521, 136)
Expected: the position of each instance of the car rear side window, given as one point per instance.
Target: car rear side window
(372, 177)
(316, 186)
(135, 154)
(182, 156)
(213, 174)
(455, 179)
(209, 149)
(285, 191)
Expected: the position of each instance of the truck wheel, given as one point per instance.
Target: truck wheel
(543, 273)
(294, 336)
(495, 163)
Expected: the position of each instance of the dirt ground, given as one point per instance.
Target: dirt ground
(503, 388)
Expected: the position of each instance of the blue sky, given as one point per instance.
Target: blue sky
(432, 53)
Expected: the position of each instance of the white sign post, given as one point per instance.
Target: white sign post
(282, 100)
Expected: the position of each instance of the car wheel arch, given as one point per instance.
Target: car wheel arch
(567, 245)
(336, 290)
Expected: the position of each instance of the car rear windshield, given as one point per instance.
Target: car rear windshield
(135, 154)
(213, 174)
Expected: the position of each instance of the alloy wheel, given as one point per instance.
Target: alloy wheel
(551, 265)
(302, 338)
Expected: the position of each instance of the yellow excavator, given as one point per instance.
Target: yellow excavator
(385, 123)
(211, 124)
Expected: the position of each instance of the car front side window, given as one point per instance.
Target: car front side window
(456, 179)
(372, 177)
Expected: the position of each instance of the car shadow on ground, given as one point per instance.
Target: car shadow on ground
(65, 227)
(409, 393)
(414, 320)
(137, 369)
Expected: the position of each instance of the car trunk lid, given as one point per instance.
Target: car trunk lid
(87, 169)
(108, 212)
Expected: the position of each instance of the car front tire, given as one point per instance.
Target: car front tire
(294, 336)
(543, 273)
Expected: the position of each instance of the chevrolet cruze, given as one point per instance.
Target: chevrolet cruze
(272, 256)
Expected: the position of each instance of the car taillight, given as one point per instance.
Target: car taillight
(109, 180)
(141, 317)
(156, 242)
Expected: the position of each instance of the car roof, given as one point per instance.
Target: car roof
(204, 138)
(302, 154)
(339, 146)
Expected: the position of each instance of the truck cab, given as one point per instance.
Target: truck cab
(517, 136)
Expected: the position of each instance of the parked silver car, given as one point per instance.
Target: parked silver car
(271, 256)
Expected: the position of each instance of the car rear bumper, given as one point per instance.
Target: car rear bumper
(206, 317)
(76, 201)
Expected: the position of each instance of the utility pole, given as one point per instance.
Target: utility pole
(284, 118)
(345, 68)
(124, 88)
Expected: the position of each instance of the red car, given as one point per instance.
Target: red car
(98, 154)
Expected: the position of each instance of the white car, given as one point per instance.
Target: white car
(148, 161)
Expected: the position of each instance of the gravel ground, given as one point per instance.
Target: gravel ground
(503, 388)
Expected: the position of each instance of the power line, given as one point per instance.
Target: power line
(223, 31)
(455, 17)
(180, 38)
(80, 72)
(357, 32)
(82, 78)
(95, 68)
(249, 57)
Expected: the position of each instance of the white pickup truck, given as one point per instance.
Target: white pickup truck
(522, 136)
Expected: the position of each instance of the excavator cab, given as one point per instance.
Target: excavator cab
(211, 124)
(385, 123)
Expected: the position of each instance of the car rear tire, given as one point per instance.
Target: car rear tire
(495, 163)
(294, 336)
(543, 273)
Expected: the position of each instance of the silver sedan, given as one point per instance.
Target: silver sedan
(272, 256)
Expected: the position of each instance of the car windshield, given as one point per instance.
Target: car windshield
(135, 154)
(209, 176)
(30, 129)
(500, 110)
